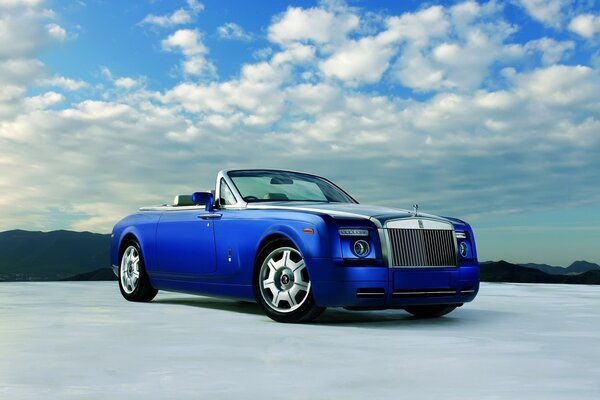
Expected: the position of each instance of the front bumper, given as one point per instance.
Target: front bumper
(334, 283)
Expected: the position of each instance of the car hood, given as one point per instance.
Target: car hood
(347, 210)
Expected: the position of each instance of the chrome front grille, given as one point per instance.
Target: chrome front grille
(422, 247)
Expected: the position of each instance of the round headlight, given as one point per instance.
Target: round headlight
(361, 248)
(463, 249)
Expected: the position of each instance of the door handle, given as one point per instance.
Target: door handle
(210, 216)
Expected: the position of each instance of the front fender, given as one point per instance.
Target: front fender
(142, 227)
(310, 245)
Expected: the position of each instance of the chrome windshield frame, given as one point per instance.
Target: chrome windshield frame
(241, 203)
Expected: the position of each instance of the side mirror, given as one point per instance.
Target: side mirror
(207, 198)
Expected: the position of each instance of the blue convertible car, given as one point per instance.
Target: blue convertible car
(295, 243)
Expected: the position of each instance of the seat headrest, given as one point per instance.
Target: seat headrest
(183, 200)
(275, 196)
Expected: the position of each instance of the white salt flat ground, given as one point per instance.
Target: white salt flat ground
(83, 341)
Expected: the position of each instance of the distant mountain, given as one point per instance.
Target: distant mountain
(578, 267)
(56, 255)
(502, 271)
(549, 269)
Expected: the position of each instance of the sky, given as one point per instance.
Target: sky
(485, 111)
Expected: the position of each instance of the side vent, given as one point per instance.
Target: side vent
(370, 293)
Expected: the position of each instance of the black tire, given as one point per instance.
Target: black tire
(306, 309)
(430, 311)
(140, 289)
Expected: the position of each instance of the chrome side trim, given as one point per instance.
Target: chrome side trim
(370, 295)
(418, 293)
(172, 208)
(371, 292)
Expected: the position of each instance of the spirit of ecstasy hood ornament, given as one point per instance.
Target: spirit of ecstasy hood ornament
(415, 210)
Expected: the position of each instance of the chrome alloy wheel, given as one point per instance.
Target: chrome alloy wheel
(130, 269)
(283, 280)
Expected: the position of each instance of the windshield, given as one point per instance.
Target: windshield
(259, 186)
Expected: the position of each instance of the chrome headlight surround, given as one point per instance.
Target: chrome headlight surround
(361, 248)
(357, 243)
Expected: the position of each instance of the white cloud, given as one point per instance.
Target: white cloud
(314, 99)
(11, 97)
(93, 110)
(419, 27)
(415, 71)
(43, 101)
(296, 54)
(551, 50)
(10, 93)
(195, 6)
(233, 31)
(123, 82)
(62, 82)
(56, 31)
(178, 17)
(311, 25)
(20, 3)
(501, 100)
(585, 25)
(24, 29)
(126, 82)
(435, 48)
(188, 41)
(548, 12)
(362, 61)
(458, 53)
(20, 35)
(20, 71)
(560, 85)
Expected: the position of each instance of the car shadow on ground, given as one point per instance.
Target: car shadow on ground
(241, 307)
(342, 317)
(400, 318)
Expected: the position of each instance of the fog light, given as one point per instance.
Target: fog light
(361, 248)
(463, 249)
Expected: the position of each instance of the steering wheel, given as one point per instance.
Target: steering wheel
(251, 198)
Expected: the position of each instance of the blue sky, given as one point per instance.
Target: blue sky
(487, 111)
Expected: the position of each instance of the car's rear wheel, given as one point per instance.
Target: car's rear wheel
(282, 285)
(430, 311)
(133, 280)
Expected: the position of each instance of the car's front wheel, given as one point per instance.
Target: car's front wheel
(430, 311)
(282, 285)
(133, 280)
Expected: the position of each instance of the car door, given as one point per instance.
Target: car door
(185, 242)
